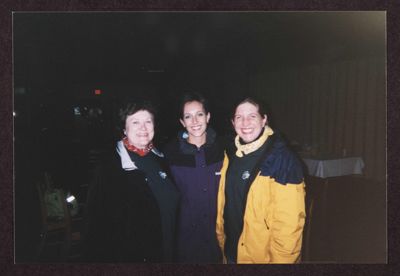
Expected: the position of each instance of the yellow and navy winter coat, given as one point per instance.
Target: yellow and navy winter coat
(274, 213)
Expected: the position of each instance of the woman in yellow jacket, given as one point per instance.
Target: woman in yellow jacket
(261, 212)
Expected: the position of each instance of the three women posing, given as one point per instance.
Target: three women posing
(244, 206)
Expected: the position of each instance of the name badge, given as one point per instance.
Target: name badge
(245, 175)
(162, 174)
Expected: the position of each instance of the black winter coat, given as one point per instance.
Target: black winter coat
(123, 221)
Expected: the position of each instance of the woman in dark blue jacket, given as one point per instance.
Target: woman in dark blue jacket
(195, 159)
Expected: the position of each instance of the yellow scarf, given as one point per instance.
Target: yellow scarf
(253, 146)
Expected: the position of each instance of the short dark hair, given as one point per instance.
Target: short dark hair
(192, 97)
(259, 103)
(130, 108)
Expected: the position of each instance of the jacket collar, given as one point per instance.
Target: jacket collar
(244, 149)
(188, 148)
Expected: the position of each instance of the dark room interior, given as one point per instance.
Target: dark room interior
(322, 74)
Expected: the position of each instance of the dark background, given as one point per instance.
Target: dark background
(61, 58)
(57, 72)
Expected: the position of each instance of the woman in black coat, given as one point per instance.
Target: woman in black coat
(132, 203)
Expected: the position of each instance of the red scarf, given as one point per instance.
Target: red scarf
(132, 148)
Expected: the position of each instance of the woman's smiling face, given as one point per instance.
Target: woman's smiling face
(248, 122)
(195, 119)
(139, 128)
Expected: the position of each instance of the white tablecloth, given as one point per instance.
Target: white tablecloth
(334, 167)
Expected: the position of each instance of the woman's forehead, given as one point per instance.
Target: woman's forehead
(141, 114)
(193, 105)
(246, 107)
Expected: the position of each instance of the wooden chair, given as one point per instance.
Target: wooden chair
(56, 231)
